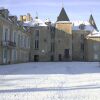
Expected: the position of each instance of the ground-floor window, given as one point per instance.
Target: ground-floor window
(60, 57)
(6, 55)
(96, 56)
(67, 53)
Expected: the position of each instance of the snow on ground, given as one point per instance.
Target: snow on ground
(50, 81)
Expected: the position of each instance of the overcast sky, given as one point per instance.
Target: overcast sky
(76, 9)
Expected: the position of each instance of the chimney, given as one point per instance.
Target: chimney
(4, 13)
(21, 18)
(28, 17)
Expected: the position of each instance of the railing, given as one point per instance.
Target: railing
(8, 44)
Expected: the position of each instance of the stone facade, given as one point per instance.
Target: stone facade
(93, 47)
(34, 40)
(14, 39)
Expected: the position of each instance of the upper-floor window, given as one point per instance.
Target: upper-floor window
(36, 44)
(52, 29)
(52, 47)
(82, 46)
(82, 27)
(6, 35)
(14, 37)
(36, 33)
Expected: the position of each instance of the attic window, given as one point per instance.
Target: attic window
(81, 26)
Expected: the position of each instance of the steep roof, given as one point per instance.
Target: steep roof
(63, 16)
(92, 22)
(87, 25)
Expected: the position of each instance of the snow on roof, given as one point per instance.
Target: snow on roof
(76, 25)
(48, 20)
(2, 8)
(35, 22)
(63, 22)
(94, 34)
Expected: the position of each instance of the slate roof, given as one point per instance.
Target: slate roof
(63, 16)
(92, 22)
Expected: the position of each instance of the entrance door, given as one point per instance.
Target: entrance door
(52, 58)
(36, 58)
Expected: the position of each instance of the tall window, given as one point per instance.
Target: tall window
(82, 42)
(36, 33)
(6, 35)
(67, 53)
(52, 47)
(36, 39)
(36, 44)
(82, 46)
(4, 53)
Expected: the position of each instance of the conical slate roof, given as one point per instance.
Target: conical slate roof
(92, 22)
(63, 16)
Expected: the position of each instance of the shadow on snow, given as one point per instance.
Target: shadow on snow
(50, 68)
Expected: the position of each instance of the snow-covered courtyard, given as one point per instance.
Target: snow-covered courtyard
(50, 81)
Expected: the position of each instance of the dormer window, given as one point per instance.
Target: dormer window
(82, 27)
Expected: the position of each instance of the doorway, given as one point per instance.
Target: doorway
(36, 58)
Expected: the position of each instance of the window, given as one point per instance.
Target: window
(82, 36)
(52, 58)
(52, 47)
(18, 39)
(36, 33)
(6, 38)
(52, 29)
(82, 46)
(14, 37)
(14, 55)
(36, 44)
(81, 26)
(67, 53)
(4, 53)
(28, 42)
(60, 57)
(96, 46)
(95, 56)
(36, 39)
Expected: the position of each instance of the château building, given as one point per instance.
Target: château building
(31, 39)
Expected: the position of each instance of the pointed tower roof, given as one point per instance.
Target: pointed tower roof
(92, 22)
(63, 16)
